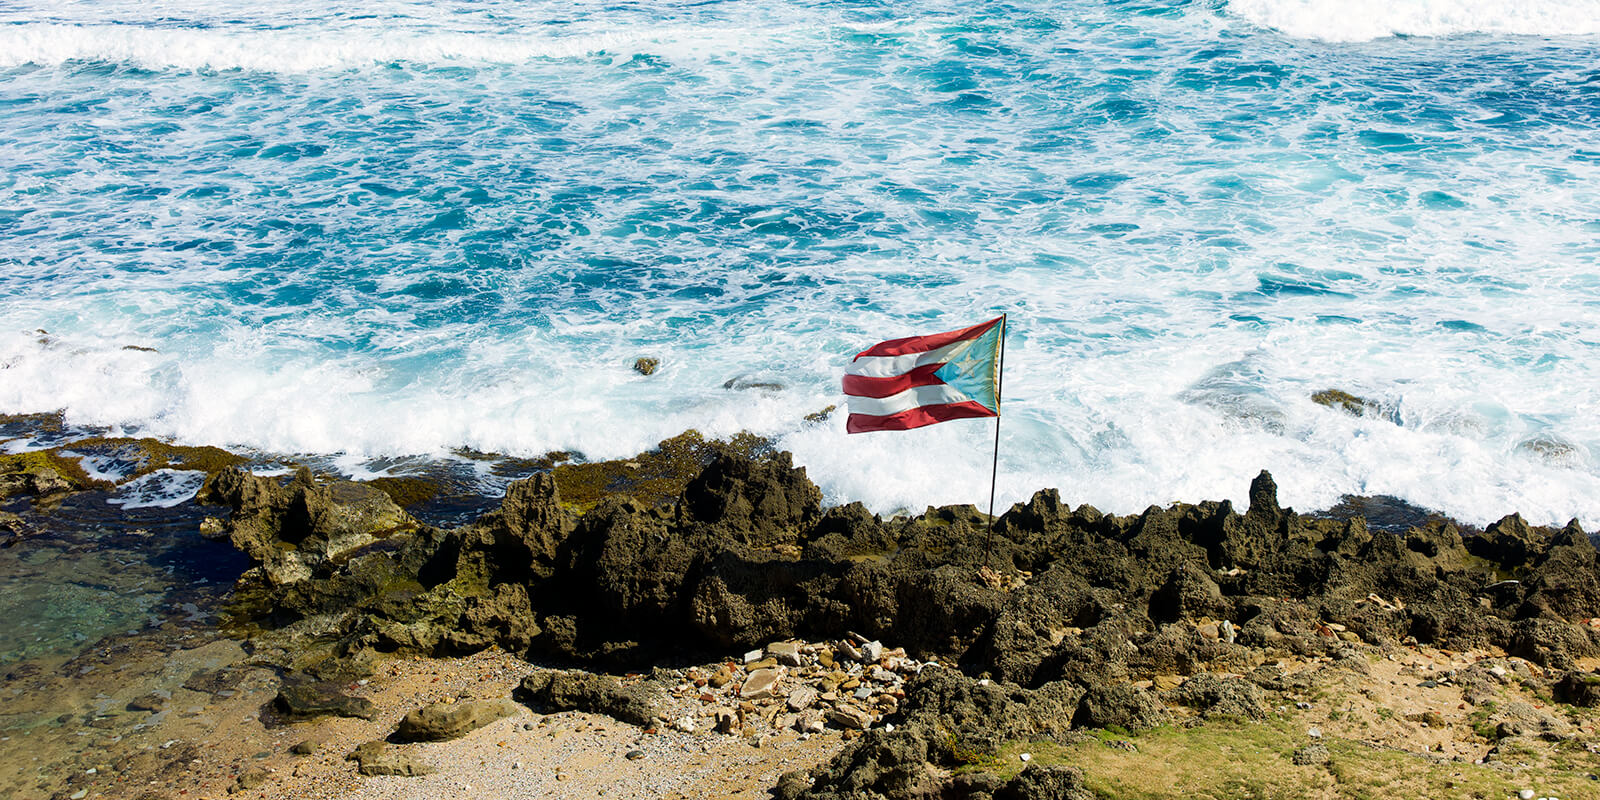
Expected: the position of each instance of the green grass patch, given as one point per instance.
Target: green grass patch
(1230, 761)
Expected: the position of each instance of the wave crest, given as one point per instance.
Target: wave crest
(299, 50)
(1364, 20)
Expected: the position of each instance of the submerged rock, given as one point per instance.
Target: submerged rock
(308, 699)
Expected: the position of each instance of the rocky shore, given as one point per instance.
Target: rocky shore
(1193, 647)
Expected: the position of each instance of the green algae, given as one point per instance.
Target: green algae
(406, 490)
(1334, 398)
(654, 477)
(41, 462)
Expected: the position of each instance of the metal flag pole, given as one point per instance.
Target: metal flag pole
(994, 471)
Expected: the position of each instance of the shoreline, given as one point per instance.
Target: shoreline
(731, 548)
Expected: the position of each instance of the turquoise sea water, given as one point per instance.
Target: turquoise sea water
(400, 227)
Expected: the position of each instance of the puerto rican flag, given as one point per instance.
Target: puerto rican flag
(919, 380)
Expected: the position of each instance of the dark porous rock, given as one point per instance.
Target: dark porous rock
(760, 503)
(1551, 643)
(378, 757)
(1039, 782)
(1189, 593)
(552, 691)
(306, 699)
(646, 365)
(949, 721)
(1509, 542)
(292, 530)
(700, 548)
(439, 722)
(1578, 688)
(1221, 697)
(1122, 706)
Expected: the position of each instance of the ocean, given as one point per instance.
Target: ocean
(379, 232)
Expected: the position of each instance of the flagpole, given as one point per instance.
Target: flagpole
(994, 470)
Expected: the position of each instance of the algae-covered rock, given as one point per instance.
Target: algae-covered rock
(1348, 403)
(306, 699)
(437, 722)
(40, 473)
(378, 757)
(293, 529)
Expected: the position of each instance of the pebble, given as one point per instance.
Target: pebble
(1525, 794)
(79, 795)
(1316, 733)
(787, 653)
(752, 657)
(635, 755)
(849, 651)
(850, 718)
(1026, 757)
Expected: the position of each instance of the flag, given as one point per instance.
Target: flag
(919, 380)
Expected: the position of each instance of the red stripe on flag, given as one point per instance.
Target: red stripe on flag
(915, 417)
(866, 386)
(922, 344)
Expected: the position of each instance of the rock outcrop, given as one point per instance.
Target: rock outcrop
(1069, 611)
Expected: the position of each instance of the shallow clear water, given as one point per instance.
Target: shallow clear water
(399, 228)
(89, 570)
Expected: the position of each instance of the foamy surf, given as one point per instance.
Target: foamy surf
(269, 238)
(1365, 20)
(299, 51)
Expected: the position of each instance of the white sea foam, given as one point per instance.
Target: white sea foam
(1363, 20)
(299, 50)
(163, 488)
(1188, 250)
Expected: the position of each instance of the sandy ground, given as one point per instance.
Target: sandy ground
(208, 740)
(213, 745)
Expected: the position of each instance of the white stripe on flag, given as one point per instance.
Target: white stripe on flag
(911, 398)
(890, 366)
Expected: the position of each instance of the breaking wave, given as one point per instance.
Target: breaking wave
(1364, 20)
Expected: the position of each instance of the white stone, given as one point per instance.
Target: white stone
(1027, 756)
(1526, 794)
(762, 683)
(1315, 733)
(752, 657)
